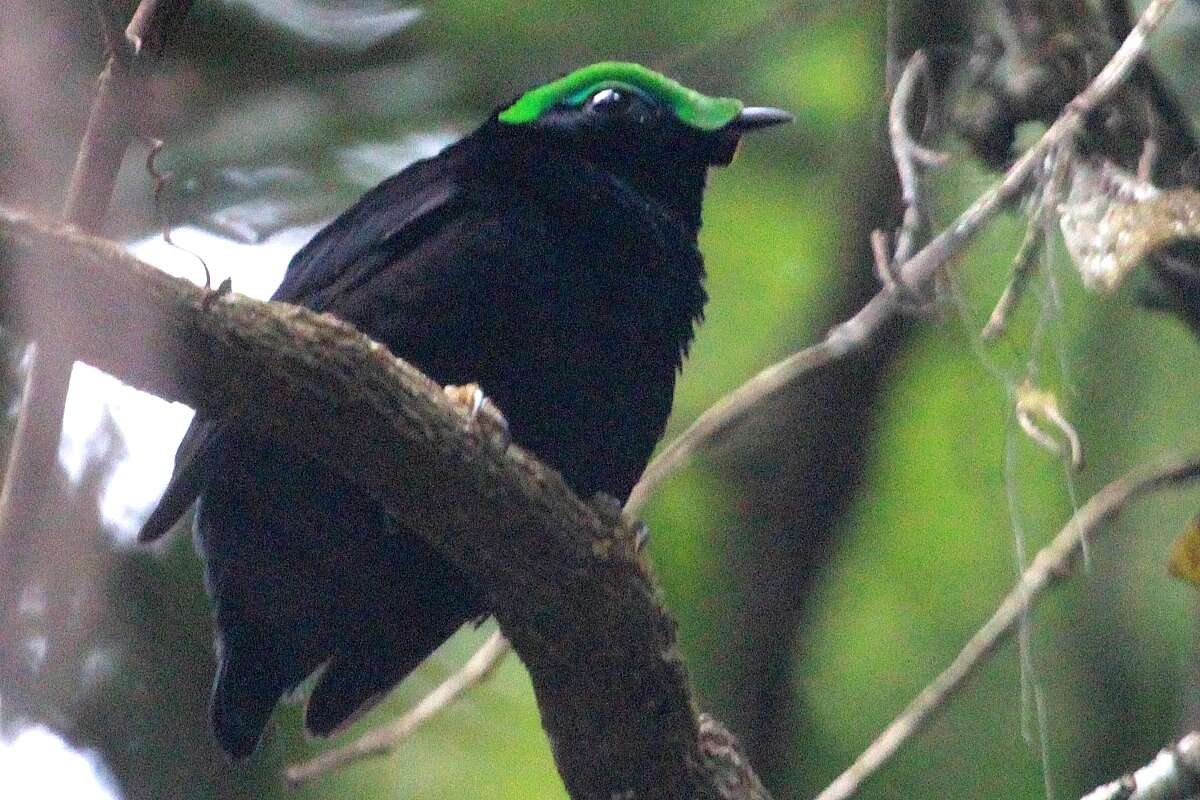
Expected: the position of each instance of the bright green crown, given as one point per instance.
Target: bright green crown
(691, 107)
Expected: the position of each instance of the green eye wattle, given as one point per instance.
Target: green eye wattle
(689, 106)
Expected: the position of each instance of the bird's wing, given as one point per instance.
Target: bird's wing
(375, 233)
(195, 460)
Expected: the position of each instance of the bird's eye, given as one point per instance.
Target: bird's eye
(609, 101)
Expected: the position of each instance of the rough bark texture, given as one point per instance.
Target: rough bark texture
(562, 577)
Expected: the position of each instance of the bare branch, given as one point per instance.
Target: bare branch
(120, 101)
(1174, 774)
(384, 739)
(842, 341)
(914, 273)
(1024, 265)
(850, 336)
(387, 737)
(910, 157)
(1051, 566)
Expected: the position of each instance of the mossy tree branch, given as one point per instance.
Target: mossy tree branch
(563, 578)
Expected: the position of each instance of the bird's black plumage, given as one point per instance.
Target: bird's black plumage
(554, 262)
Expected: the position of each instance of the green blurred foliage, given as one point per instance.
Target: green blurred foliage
(929, 548)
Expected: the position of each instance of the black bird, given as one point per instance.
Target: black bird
(549, 257)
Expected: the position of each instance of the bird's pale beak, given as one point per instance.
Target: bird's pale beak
(754, 117)
(750, 118)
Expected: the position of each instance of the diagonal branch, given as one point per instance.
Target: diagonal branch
(1143, 130)
(850, 336)
(1051, 566)
(211, 345)
(564, 579)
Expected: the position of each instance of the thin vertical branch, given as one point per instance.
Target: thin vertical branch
(116, 111)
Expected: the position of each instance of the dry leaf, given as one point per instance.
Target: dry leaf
(1184, 562)
(1111, 220)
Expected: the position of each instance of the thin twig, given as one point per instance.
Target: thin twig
(119, 101)
(850, 336)
(1172, 134)
(118, 106)
(1024, 265)
(881, 253)
(383, 740)
(1049, 567)
(1037, 236)
(911, 158)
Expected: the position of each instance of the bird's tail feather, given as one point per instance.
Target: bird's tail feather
(244, 695)
(355, 681)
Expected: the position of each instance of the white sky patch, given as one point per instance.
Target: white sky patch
(38, 764)
(367, 163)
(348, 24)
(151, 427)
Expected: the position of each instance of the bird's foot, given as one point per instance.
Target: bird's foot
(607, 507)
(612, 513)
(641, 535)
(481, 411)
